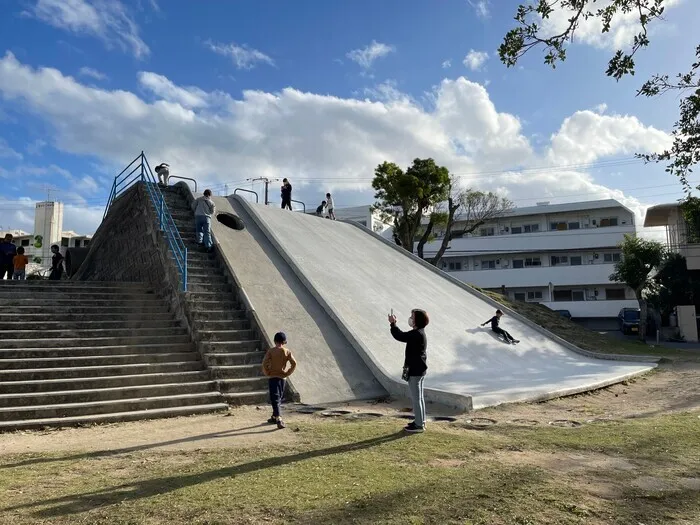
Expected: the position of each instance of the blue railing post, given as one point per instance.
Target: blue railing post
(161, 214)
(184, 272)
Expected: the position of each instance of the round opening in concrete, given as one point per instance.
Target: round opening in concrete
(404, 416)
(525, 422)
(479, 423)
(306, 409)
(437, 419)
(567, 423)
(232, 221)
(365, 415)
(335, 413)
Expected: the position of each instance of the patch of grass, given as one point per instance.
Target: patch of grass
(584, 338)
(364, 472)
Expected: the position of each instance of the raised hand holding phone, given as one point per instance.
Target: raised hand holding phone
(392, 317)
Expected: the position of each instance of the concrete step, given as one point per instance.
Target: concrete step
(214, 277)
(107, 407)
(105, 394)
(229, 299)
(203, 314)
(93, 315)
(105, 285)
(213, 306)
(29, 287)
(200, 266)
(217, 289)
(114, 417)
(94, 341)
(36, 363)
(234, 358)
(51, 297)
(87, 311)
(67, 301)
(235, 371)
(225, 335)
(78, 351)
(242, 385)
(258, 397)
(223, 347)
(98, 371)
(83, 324)
(114, 381)
(240, 324)
(91, 332)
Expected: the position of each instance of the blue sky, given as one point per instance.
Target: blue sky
(320, 92)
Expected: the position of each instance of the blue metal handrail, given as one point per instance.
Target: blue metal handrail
(139, 170)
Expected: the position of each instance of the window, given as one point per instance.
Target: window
(77, 243)
(486, 232)
(608, 221)
(578, 295)
(533, 261)
(455, 266)
(615, 294)
(562, 295)
(519, 296)
(518, 263)
(611, 257)
(86, 242)
(575, 260)
(64, 241)
(558, 260)
(516, 229)
(25, 242)
(558, 226)
(534, 296)
(574, 225)
(531, 228)
(488, 265)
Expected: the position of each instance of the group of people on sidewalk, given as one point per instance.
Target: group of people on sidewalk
(14, 262)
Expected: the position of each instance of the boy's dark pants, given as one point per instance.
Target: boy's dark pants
(506, 335)
(276, 394)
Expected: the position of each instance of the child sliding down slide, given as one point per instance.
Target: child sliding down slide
(500, 331)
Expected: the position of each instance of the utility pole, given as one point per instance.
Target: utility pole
(267, 182)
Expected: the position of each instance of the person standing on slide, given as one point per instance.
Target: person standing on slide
(286, 194)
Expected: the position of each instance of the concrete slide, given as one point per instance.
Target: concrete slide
(358, 277)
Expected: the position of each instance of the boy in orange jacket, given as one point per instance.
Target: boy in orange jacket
(273, 366)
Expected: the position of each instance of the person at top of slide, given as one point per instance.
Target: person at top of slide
(495, 320)
(286, 191)
(330, 206)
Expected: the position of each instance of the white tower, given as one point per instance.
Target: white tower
(48, 222)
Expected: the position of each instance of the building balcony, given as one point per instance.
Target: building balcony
(691, 252)
(592, 309)
(568, 240)
(583, 275)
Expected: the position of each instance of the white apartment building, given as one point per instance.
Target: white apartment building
(677, 231)
(365, 216)
(559, 255)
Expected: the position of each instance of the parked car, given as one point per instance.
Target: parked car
(564, 313)
(628, 320)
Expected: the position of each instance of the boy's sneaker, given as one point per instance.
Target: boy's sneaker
(515, 341)
(413, 428)
(272, 420)
(280, 424)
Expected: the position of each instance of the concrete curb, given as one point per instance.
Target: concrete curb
(512, 313)
(394, 387)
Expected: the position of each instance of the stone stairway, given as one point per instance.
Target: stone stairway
(93, 352)
(229, 347)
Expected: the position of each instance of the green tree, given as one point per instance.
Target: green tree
(408, 196)
(530, 32)
(676, 285)
(640, 258)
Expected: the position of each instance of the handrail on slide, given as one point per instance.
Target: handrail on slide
(139, 170)
(184, 178)
(257, 199)
(299, 202)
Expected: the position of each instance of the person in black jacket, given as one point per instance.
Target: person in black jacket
(500, 331)
(415, 363)
(286, 194)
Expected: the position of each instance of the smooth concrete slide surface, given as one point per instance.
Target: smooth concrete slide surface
(361, 279)
(329, 368)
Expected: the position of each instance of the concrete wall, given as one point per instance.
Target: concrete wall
(687, 323)
(128, 246)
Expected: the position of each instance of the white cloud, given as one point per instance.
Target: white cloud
(108, 20)
(92, 73)
(475, 59)
(447, 64)
(481, 7)
(305, 135)
(622, 31)
(36, 147)
(6, 152)
(366, 56)
(188, 97)
(243, 56)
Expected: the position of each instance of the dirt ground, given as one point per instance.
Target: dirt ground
(673, 387)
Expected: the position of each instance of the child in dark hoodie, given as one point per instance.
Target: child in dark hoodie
(415, 363)
(500, 331)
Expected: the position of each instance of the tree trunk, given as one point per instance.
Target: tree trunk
(451, 209)
(424, 238)
(642, 315)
